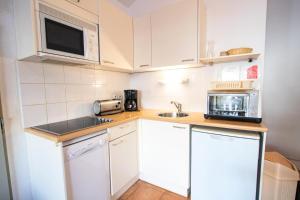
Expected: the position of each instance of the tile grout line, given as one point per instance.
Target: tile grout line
(67, 113)
(44, 84)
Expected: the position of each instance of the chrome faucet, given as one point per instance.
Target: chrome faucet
(178, 106)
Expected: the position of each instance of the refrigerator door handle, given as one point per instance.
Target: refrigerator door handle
(226, 133)
(222, 138)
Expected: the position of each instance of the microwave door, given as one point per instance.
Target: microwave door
(228, 104)
(62, 38)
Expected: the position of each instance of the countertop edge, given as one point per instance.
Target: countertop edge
(193, 119)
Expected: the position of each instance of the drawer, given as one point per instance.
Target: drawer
(121, 130)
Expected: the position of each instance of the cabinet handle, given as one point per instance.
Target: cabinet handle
(125, 126)
(144, 65)
(116, 144)
(87, 149)
(179, 127)
(108, 62)
(188, 60)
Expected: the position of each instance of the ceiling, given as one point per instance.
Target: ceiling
(127, 3)
(141, 7)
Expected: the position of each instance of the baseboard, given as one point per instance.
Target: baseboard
(165, 185)
(118, 194)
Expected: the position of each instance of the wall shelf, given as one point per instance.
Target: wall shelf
(233, 58)
(153, 69)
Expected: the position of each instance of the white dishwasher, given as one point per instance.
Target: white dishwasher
(87, 167)
(225, 164)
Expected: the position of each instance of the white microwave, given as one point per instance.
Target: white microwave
(66, 38)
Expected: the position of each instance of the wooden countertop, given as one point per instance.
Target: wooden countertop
(194, 118)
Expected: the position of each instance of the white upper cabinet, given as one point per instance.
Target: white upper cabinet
(116, 37)
(89, 5)
(85, 9)
(142, 42)
(175, 34)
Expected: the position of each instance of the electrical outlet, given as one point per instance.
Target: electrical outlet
(117, 96)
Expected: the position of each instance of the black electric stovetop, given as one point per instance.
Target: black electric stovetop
(69, 126)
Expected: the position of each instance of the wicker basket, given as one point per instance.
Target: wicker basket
(238, 51)
(232, 85)
(280, 178)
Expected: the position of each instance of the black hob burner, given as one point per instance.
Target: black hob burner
(69, 126)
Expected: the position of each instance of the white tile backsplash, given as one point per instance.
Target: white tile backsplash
(34, 115)
(75, 109)
(56, 112)
(101, 92)
(55, 93)
(72, 75)
(32, 94)
(54, 73)
(87, 108)
(101, 78)
(31, 72)
(64, 92)
(192, 95)
(74, 92)
(87, 76)
(88, 92)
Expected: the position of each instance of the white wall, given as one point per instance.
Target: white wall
(230, 24)
(155, 95)
(15, 137)
(141, 7)
(51, 93)
(4, 183)
(281, 111)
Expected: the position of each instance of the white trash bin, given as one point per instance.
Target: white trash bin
(280, 178)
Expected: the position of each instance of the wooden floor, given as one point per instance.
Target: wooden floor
(145, 191)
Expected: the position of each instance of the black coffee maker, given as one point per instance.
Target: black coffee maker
(131, 100)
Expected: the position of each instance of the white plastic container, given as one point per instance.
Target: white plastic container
(280, 178)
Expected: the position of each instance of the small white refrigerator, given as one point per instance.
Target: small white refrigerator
(225, 164)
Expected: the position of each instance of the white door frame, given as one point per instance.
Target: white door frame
(5, 186)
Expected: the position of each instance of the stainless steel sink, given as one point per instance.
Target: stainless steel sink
(173, 114)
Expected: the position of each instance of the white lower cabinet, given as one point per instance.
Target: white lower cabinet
(123, 162)
(165, 155)
(159, 154)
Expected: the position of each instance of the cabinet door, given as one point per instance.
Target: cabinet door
(116, 37)
(89, 5)
(165, 154)
(142, 42)
(175, 34)
(123, 161)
